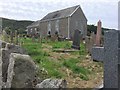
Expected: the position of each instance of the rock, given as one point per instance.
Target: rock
(15, 49)
(22, 72)
(52, 83)
(5, 57)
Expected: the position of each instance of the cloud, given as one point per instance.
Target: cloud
(106, 10)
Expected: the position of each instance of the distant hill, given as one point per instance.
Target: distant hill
(10, 24)
(20, 25)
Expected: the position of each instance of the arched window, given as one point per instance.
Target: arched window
(49, 28)
(57, 27)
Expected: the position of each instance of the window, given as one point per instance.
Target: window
(31, 30)
(77, 24)
(49, 28)
(57, 27)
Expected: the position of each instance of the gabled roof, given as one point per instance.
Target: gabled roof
(60, 13)
(57, 14)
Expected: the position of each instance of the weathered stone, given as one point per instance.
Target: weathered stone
(15, 48)
(98, 53)
(21, 72)
(5, 55)
(89, 42)
(1, 82)
(52, 83)
(76, 39)
(111, 58)
(5, 62)
(98, 35)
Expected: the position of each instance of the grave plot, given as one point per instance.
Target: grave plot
(74, 67)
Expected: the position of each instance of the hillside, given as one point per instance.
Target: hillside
(15, 24)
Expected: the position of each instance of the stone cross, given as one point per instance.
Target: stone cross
(98, 35)
(110, 56)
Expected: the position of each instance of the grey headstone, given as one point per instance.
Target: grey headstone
(52, 83)
(89, 42)
(111, 58)
(21, 71)
(5, 55)
(1, 82)
(76, 39)
(98, 53)
(5, 62)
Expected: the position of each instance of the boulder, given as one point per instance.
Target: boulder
(22, 72)
(52, 83)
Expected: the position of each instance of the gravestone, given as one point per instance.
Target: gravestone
(1, 82)
(110, 56)
(22, 72)
(5, 55)
(98, 35)
(89, 42)
(76, 39)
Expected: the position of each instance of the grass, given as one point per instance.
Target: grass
(62, 44)
(82, 49)
(71, 64)
(43, 59)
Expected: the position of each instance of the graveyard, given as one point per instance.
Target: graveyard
(57, 62)
(75, 67)
(54, 59)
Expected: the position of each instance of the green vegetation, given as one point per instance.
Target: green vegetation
(93, 28)
(71, 64)
(82, 49)
(9, 24)
(62, 44)
(53, 67)
(41, 58)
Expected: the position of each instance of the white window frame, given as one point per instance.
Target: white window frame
(31, 30)
(49, 26)
(57, 26)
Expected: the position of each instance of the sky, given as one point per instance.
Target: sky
(94, 10)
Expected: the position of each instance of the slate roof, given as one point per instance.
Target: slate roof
(56, 14)
(60, 13)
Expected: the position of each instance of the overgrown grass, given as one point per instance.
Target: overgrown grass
(43, 59)
(62, 44)
(82, 49)
(71, 64)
